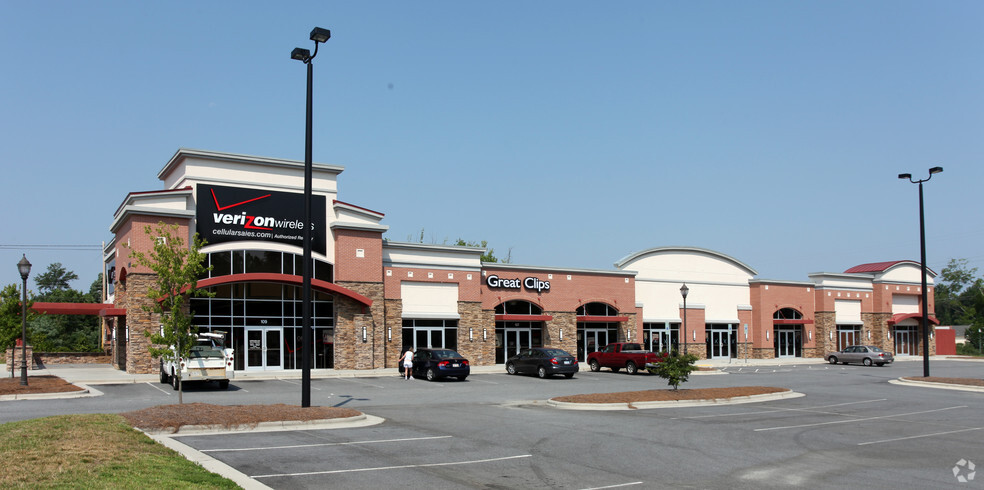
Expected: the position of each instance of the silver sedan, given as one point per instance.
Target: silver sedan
(865, 354)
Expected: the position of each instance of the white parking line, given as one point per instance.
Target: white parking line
(616, 486)
(857, 420)
(297, 384)
(152, 385)
(918, 437)
(398, 467)
(778, 409)
(351, 443)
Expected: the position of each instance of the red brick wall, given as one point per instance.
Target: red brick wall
(349, 267)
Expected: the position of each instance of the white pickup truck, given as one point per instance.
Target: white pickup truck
(209, 360)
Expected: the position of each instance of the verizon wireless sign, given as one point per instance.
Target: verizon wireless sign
(227, 214)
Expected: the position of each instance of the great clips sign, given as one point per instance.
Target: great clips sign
(227, 214)
(530, 283)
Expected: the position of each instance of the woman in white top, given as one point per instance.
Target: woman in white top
(407, 361)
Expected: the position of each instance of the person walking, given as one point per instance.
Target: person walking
(407, 361)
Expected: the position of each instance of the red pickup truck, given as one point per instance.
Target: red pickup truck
(630, 356)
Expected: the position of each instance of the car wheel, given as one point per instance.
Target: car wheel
(223, 384)
(594, 366)
(569, 375)
(431, 375)
(832, 359)
(867, 362)
(175, 382)
(511, 368)
(164, 378)
(541, 372)
(630, 368)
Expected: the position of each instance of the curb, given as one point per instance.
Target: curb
(939, 386)
(85, 392)
(675, 403)
(362, 420)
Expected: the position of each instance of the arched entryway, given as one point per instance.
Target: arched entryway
(787, 332)
(518, 325)
(597, 326)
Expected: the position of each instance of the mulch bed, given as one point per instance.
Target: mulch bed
(670, 395)
(173, 417)
(952, 381)
(35, 384)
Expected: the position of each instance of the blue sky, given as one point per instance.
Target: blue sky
(568, 134)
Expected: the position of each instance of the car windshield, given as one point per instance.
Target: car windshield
(445, 354)
(556, 353)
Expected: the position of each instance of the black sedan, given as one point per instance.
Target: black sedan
(435, 364)
(543, 361)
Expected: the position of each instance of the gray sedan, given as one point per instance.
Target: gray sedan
(865, 354)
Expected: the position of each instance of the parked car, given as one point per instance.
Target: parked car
(865, 354)
(630, 356)
(434, 364)
(542, 361)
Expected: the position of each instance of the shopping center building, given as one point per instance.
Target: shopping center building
(373, 298)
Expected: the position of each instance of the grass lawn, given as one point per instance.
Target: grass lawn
(93, 451)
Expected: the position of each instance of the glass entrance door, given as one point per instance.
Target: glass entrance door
(788, 342)
(719, 344)
(263, 349)
(905, 341)
(591, 340)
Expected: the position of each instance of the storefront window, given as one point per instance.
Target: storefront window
(437, 334)
(260, 261)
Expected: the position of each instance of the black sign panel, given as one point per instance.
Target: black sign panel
(227, 214)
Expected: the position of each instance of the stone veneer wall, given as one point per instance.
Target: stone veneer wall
(393, 318)
(350, 318)
(139, 321)
(479, 350)
(15, 355)
(567, 321)
(825, 323)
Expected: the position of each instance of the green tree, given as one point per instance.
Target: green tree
(674, 368)
(95, 290)
(55, 278)
(10, 316)
(489, 255)
(954, 293)
(177, 268)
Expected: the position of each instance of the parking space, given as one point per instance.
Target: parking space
(386, 456)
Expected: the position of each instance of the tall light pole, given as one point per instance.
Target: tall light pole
(684, 290)
(922, 260)
(318, 35)
(24, 267)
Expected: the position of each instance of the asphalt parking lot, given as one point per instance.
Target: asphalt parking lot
(852, 428)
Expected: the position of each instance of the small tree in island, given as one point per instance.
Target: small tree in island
(177, 268)
(675, 368)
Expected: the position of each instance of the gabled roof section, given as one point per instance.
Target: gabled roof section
(876, 267)
(882, 267)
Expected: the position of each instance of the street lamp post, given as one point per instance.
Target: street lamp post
(24, 267)
(922, 260)
(684, 290)
(318, 35)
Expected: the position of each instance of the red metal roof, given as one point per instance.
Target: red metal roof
(876, 266)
